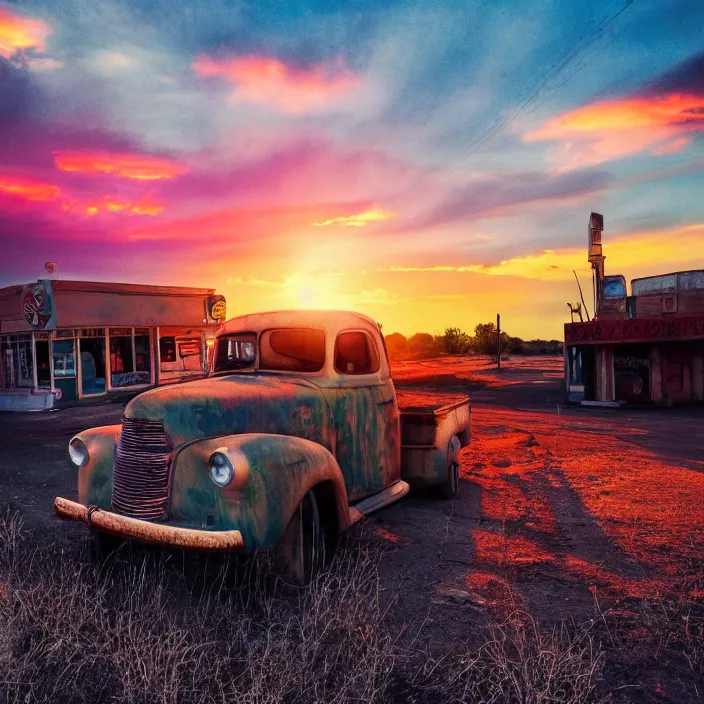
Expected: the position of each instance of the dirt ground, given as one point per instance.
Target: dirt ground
(568, 510)
(561, 510)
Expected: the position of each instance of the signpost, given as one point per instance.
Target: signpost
(498, 341)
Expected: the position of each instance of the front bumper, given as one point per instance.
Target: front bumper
(147, 532)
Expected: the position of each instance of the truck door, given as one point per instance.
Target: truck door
(365, 417)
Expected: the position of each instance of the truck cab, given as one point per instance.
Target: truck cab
(295, 435)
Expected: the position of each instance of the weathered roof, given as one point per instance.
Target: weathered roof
(116, 287)
(327, 320)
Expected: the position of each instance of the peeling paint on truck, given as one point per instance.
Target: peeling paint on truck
(287, 432)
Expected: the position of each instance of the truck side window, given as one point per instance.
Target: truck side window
(235, 351)
(355, 354)
(292, 349)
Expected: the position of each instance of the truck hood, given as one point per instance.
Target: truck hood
(235, 404)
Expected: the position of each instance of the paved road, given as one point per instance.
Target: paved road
(34, 464)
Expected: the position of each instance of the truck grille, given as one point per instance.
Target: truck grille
(141, 469)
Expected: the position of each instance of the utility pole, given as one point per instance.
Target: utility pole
(498, 341)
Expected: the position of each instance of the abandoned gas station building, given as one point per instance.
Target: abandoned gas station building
(65, 340)
(646, 348)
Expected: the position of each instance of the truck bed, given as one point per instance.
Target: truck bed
(427, 402)
(428, 423)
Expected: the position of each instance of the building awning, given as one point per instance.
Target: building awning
(664, 329)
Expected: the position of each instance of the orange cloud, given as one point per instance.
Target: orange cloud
(262, 79)
(138, 167)
(28, 188)
(375, 214)
(654, 251)
(611, 129)
(17, 34)
(107, 204)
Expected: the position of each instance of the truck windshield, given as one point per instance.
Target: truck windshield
(235, 352)
(292, 349)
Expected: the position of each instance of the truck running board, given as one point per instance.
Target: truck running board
(377, 501)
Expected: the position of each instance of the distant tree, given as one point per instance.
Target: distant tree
(422, 344)
(456, 341)
(485, 339)
(515, 345)
(396, 344)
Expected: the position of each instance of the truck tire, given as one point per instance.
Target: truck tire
(449, 487)
(300, 553)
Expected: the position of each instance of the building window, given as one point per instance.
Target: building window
(167, 350)
(64, 360)
(142, 362)
(355, 354)
(128, 369)
(17, 361)
(121, 354)
(179, 354)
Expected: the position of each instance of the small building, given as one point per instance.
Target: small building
(643, 348)
(66, 340)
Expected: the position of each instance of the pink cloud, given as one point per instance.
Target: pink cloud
(616, 128)
(138, 167)
(28, 189)
(674, 146)
(146, 205)
(262, 79)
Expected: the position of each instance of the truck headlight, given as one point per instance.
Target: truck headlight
(78, 451)
(221, 469)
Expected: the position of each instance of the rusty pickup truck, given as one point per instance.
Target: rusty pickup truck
(296, 434)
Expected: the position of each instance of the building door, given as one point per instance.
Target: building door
(677, 372)
(43, 366)
(632, 373)
(92, 355)
(589, 372)
(65, 368)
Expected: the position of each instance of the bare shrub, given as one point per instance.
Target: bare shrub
(658, 642)
(519, 663)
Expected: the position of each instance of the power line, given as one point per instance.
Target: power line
(544, 89)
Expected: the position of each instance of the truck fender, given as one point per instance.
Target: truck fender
(95, 476)
(272, 475)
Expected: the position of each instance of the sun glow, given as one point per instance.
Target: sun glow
(319, 292)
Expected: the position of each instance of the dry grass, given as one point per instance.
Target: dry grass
(148, 628)
(155, 627)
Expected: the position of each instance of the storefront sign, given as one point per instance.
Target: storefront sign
(639, 329)
(38, 305)
(217, 308)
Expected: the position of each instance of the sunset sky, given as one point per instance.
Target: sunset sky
(429, 164)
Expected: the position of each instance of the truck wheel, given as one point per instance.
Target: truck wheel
(449, 487)
(301, 550)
